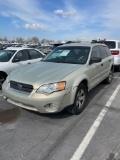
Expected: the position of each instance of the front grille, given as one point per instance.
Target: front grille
(21, 87)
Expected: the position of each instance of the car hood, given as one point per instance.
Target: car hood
(42, 73)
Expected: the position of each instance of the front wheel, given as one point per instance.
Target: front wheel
(2, 79)
(80, 100)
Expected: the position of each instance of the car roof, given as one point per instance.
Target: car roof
(17, 48)
(86, 44)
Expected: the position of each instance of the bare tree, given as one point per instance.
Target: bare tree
(47, 41)
(35, 40)
(5, 39)
(19, 39)
(44, 40)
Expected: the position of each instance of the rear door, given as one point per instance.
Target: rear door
(95, 69)
(106, 61)
(35, 55)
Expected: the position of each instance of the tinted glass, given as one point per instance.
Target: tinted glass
(22, 55)
(103, 52)
(69, 54)
(5, 55)
(34, 54)
(110, 44)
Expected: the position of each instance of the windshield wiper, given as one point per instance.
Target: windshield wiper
(47, 61)
(51, 61)
(60, 61)
(69, 62)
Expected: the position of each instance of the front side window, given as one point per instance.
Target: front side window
(22, 55)
(69, 54)
(95, 53)
(5, 55)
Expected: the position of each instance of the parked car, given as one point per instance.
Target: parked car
(114, 46)
(2, 46)
(61, 80)
(13, 57)
(46, 49)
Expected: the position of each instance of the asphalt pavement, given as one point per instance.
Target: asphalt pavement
(92, 135)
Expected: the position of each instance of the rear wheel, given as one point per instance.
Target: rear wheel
(118, 68)
(80, 100)
(109, 79)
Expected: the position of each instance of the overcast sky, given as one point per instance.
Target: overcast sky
(60, 19)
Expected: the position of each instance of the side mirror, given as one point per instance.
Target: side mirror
(95, 60)
(15, 60)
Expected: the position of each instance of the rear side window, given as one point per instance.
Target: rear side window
(34, 54)
(103, 52)
(110, 44)
(107, 51)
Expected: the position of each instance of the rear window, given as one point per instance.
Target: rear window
(110, 44)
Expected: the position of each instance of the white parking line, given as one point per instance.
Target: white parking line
(84, 144)
(1, 95)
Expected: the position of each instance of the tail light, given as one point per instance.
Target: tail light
(114, 52)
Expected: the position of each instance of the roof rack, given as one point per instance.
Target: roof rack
(98, 41)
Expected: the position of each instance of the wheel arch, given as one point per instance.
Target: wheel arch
(76, 85)
(85, 82)
(3, 73)
(112, 68)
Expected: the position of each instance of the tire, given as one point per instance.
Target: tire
(118, 68)
(79, 101)
(109, 79)
(2, 79)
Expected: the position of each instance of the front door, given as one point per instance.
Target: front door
(20, 59)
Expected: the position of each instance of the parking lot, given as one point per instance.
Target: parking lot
(92, 135)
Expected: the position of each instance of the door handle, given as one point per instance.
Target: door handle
(109, 60)
(29, 63)
(102, 64)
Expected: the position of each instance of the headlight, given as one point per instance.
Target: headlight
(53, 87)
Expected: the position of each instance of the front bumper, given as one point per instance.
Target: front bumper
(49, 103)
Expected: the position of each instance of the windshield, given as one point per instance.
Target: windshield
(5, 55)
(69, 54)
(110, 44)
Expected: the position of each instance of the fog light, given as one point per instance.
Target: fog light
(51, 107)
(54, 106)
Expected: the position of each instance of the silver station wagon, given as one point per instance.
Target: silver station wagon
(61, 80)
